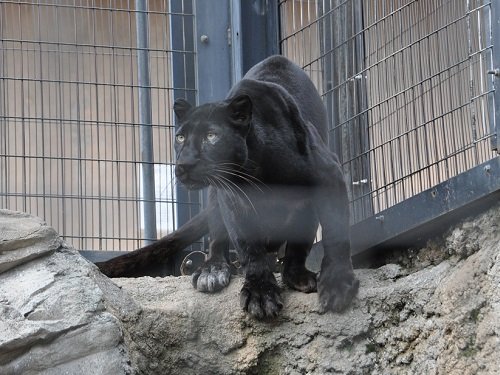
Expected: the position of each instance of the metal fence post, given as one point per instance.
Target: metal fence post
(184, 86)
(213, 49)
(260, 31)
(235, 41)
(145, 120)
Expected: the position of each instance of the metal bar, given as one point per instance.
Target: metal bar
(236, 41)
(94, 8)
(184, 83)
(219, 49)
(145, 120)
(363, 175)
(98, 198)
(97, 107)
(79, 143)
(90, 45)
(93, 83)
(42, 110)
(182, 40)
(3, 121)
(401, 219)
(134, 172)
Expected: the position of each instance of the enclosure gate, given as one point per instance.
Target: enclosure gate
(410, 90)
(87, 87)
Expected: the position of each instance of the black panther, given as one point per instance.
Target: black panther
(262, 152)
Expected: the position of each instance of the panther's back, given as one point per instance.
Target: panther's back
(279, 70)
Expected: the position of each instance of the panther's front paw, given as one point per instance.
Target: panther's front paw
(261, 298)
(211, 277)
(337, 289)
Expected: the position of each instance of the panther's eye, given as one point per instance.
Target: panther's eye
(211, 137)
(180, 138)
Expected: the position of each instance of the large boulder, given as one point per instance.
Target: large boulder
(434, 310)
(52, 314)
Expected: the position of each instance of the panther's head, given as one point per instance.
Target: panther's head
(210, 141)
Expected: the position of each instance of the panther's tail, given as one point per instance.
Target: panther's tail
(137, 262)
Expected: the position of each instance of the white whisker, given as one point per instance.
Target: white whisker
(244, 178)
(243, 175)
(215, 181)
(240, 189)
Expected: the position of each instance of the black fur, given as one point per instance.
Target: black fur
(272, 179)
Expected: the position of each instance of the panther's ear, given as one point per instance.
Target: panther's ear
(240, 109)
(181, 107)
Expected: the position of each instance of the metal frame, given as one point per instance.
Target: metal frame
(405, 224)
(145, 119)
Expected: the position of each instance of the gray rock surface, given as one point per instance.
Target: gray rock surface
(436, 313)
(52, 316)
(434, 310)
(23, 238)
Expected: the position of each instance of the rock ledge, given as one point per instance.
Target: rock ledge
(437, 311)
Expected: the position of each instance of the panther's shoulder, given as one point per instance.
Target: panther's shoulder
(270, 66)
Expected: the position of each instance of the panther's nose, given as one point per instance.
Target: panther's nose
(183, 168)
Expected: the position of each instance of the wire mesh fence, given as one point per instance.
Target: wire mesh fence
(406, 85)
(70, 144)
